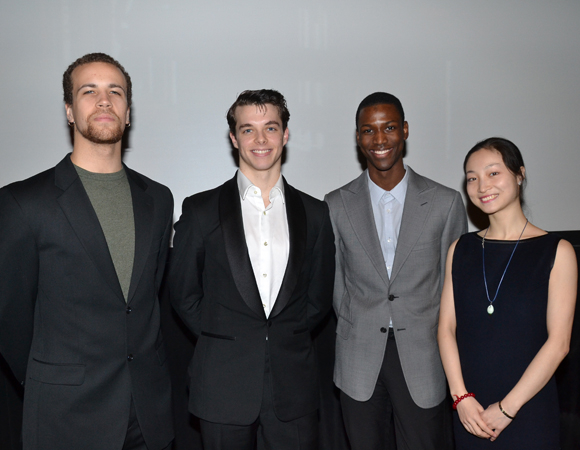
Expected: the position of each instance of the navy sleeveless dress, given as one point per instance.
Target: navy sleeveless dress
(496, 349)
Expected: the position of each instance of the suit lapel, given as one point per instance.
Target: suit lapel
(357, 203)
(296, 216)
(79, 212)
(230, 213)
(143, 216)
(418, 201)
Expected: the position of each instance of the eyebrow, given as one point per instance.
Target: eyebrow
(93, 85)
(271, 122)
(371, 124)
(486, 167)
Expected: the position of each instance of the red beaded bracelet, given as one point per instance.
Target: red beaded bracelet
(456, 402)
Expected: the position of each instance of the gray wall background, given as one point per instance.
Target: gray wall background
(464, 71)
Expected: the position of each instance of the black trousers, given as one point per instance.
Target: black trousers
(368, 424)
(134, 438)
(267, 432)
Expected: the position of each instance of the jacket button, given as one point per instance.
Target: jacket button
(392, 297)
(128, 310)
(383, 330)
(269, 323)
(130, 357)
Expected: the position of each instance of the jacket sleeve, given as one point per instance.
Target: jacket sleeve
(19, 264)
(339, 281)
(321, 273)
(186, 268)
(455, 227)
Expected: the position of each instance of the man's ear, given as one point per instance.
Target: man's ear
(234, 140)
(128, 116)
(286, 135)
(69, 114)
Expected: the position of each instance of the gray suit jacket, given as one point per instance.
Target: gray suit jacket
(365, 298)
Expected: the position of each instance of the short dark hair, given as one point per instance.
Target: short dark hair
(380, 98)
(510, 154)
(259, 98)
(67, 84)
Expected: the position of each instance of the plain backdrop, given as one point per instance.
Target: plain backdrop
(464, 71)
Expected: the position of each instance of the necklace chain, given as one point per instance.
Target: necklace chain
(490, 308)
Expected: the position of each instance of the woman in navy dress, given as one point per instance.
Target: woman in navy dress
(506, 313)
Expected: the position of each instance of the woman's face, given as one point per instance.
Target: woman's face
(490, 185)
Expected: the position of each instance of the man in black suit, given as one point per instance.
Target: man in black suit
(251, 275)
(82, 251)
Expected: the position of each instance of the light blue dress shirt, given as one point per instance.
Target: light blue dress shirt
(388, 212)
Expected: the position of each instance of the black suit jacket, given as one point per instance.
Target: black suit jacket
(64, 323)
(213, 288)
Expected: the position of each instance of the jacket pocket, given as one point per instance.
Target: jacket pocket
(218, 336)
(57, 373)
(343, 328)
(301, 330)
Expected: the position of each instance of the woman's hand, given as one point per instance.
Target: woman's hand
(495, 419)
(470, 414)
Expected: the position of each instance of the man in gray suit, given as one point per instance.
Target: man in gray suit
(392, 229)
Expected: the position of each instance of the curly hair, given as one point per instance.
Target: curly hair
(67, 84)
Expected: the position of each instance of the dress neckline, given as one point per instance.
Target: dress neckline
(502, 241)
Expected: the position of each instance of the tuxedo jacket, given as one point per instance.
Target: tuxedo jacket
(65, 328)
(365, 297)
(212, 286)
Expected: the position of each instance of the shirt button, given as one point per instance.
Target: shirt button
(265, 244)
(130, 357)
(264, 305)
(264, 212)
(383, 330)
(389, 240)
(389, 211)
(265, 275)
(255, 192)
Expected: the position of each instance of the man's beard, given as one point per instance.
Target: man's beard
(104, 135)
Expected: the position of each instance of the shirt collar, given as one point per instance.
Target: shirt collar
(244, 186)
(399, 191)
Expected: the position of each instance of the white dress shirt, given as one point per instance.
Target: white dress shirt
(267, 237)
(388, 213)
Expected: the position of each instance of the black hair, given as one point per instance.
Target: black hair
(380, 98)
(259, 98)
(510, 154)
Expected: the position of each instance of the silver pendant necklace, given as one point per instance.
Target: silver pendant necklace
(490, 308)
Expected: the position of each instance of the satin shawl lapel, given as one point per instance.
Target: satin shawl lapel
(357, 204)
(230, 213)
(418, 201)
(77, 208)
(143, 209)
(296, 216)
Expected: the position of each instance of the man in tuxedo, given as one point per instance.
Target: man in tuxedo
(251, 275)
(82, 252)
(392, 229)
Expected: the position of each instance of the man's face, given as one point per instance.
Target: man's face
(99, 109)
(381, 137)
(259, 138)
